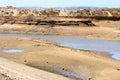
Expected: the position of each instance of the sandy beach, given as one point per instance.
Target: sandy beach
(67, 62)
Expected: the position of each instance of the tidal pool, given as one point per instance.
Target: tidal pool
(77, 42)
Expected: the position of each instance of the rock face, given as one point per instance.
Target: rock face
(51, 21)
(54, 17)
(12, 11)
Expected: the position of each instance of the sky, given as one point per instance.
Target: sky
(61, 3)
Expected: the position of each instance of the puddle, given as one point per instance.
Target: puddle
(13, 51)
(115, 55)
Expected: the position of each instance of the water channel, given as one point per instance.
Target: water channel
(77, 42)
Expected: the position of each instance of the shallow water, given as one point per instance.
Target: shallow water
(12, 51)
(78, 42)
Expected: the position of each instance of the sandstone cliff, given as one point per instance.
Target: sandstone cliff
(54, 17)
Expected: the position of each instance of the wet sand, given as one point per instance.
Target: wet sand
(70, 63)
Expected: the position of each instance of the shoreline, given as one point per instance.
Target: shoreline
(87, 37)
(107, 54)
(39, 59)
(46, 54)
(105, 30)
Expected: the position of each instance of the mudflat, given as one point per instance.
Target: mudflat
(70, 63)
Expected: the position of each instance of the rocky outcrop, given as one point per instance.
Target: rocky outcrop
(51, 21)
(54, 17)
(12, 11)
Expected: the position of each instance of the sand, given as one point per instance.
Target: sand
(105, 30)
(13, 71)
(45, 60)
(67, 62)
